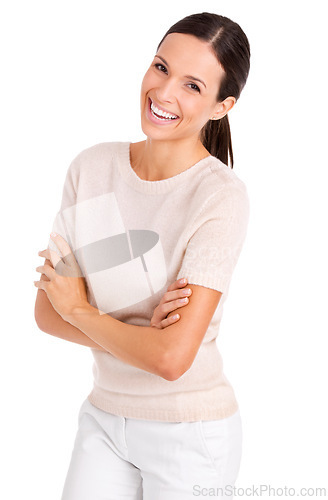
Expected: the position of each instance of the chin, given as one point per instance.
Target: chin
(152, 132)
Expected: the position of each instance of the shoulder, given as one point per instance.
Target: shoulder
(224, 178)
(100, 152)
(222, 188)
(94, 160)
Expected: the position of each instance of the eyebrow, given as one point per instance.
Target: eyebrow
(187, 76)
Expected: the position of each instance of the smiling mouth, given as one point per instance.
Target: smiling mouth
(160, 114)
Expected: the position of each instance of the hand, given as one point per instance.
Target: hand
(168, 303)
(66, 288)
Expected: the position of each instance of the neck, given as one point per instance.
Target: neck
(154, 160)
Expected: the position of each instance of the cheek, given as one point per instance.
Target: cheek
(205, 113)
(196, 115)
(148, 82)
(196, 112)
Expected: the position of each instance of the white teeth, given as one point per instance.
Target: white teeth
(162, 113)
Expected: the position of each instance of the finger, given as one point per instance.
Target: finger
(57, 260)
(40, 284)
(68, 271)
(62, 245)
(172, 306)
(44, 253)
(54, 257)
(61, 268)
(67, 265)
(47, 270)
(50, 255)
(177, 284)
(175, 295)
(170, 320)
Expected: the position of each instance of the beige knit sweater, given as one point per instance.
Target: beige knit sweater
(132, 238)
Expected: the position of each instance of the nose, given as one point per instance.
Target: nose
(166, 91)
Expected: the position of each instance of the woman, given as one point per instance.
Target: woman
(162, 421)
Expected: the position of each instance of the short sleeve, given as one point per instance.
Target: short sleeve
(68, 199)
(217, 237)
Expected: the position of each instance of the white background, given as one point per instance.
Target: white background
(71, 75)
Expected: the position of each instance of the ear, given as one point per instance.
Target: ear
(223, 107)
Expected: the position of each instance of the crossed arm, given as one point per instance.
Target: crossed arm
(167, 348)
(49, 321)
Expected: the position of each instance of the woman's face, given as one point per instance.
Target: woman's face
(182, 82)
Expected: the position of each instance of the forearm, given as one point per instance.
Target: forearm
(143, 347)
(49, 321)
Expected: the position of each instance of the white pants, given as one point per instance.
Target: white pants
(118, 458)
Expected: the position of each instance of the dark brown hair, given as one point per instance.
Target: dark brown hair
(231, 47)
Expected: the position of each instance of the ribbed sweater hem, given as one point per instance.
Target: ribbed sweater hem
(191, 415)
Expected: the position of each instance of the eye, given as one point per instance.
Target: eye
(193, 86)
(159, 66)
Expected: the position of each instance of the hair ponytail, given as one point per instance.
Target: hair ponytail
(216, 138)
(231, 47)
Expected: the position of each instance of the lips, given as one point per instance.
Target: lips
(160, 114)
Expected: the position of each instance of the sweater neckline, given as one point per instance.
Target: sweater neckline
(161, 186)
